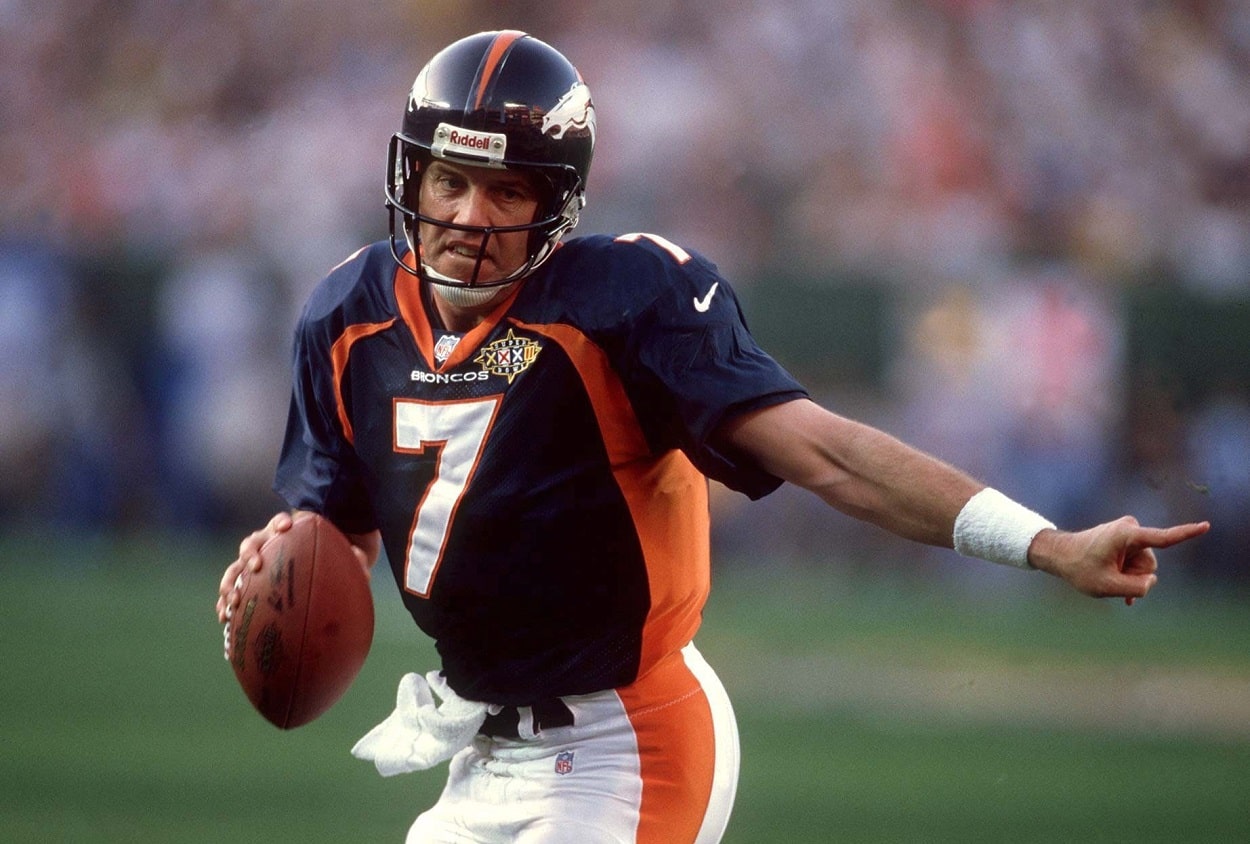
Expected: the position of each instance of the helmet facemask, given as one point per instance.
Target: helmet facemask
(560, 204)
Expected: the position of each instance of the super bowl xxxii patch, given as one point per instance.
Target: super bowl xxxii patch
(508, 356)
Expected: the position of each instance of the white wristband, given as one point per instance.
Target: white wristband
(993, 527)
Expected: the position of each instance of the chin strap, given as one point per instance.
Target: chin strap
(455, 291)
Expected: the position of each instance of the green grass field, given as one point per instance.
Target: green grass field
(868, 712)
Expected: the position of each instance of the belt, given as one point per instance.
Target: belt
(545, 715)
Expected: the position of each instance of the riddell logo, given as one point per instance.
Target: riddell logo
(464, 139)
(484, 147)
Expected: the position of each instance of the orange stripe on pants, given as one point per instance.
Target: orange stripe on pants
(676, 731)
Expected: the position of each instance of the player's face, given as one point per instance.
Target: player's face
(475, 196)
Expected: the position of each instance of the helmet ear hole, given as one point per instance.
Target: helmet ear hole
(412, 167)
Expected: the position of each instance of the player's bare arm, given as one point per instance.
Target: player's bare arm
(868, 474)
(367, 546)
(854, 468)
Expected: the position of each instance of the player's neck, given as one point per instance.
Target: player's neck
(453, 319)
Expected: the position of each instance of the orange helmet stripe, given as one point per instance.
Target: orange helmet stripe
(498, 49)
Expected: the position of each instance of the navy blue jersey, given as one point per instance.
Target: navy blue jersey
(540, 484)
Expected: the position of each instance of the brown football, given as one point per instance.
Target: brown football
(304, 623)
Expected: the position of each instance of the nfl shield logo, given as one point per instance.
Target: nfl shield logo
(564, 762)
(445, 346)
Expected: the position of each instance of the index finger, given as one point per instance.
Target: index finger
(1169, 536)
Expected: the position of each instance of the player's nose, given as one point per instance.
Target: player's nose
(474, 208)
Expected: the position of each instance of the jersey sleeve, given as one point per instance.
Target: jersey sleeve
(318, 469)
(696, 364)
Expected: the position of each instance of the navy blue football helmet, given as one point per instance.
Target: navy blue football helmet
(495, 99)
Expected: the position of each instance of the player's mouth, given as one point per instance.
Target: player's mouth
(458, 260)
(463, 251)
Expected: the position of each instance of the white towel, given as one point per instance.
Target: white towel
(419, 733)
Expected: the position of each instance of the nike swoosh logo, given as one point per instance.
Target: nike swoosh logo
(701, 305)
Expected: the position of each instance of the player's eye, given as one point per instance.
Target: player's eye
(514, 194)
(445, 181)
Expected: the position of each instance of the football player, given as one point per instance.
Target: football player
(527, 424)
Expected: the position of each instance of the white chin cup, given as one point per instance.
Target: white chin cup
(459, 296)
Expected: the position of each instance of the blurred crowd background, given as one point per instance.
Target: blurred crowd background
(1016, 234)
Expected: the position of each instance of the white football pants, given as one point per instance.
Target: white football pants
(655, 762)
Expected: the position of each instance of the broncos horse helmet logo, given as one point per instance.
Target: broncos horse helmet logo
(574, 112)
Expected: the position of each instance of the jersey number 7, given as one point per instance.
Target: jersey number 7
(453, 434)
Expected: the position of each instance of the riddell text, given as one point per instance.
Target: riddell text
(470, 141)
